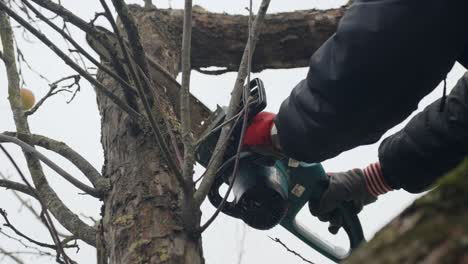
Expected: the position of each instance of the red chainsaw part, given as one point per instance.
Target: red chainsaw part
(259, 131)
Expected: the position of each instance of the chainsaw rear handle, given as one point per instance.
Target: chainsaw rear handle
(307, 184)
(351, 225)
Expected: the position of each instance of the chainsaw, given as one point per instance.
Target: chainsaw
(271, 189)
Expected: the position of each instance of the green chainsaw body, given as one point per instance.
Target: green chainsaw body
(270, 193)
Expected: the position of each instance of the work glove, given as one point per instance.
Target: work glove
(258, 133)
(358, 186)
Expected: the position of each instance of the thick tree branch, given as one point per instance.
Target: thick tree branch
(31, 150)
(287, 40)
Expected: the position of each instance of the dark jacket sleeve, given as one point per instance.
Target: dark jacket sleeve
(432, 143)
(370, 75)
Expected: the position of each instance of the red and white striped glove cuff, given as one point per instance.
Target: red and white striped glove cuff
(375, 181)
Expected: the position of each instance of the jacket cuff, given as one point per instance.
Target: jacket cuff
(375, 181)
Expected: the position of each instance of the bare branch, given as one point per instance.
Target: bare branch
(46, 194)
(27, 204)
(220, 148)
(16, 186)
(130, 111)
(245, 110)
(277, 240)
(99, 182)
(54, 90)
(67, 15)
(19, 233)
(45, 217)
(11, 256)
(189, 153)
(29, 149)
(96, 16)
(128, 89)
(35, 250)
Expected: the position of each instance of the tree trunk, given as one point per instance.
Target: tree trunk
(142, 214)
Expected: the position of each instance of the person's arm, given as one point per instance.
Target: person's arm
(432, 143)
(385, 56)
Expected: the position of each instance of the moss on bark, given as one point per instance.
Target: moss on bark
(432, 230)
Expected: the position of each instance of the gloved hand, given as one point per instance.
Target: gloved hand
(360, 187)
(258, 133)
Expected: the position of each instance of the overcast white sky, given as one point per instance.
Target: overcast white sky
(78, 124)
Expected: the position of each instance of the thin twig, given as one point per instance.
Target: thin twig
(12, 256)
(28, 148)
(46, 219)
(24, 244)
(19, 233)
(54, 90)
(61, 11)
(277, 240)
(27, 204)
(232, 178)
(220, 148)
(216, 129)
(130, 111)
(78, 47)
